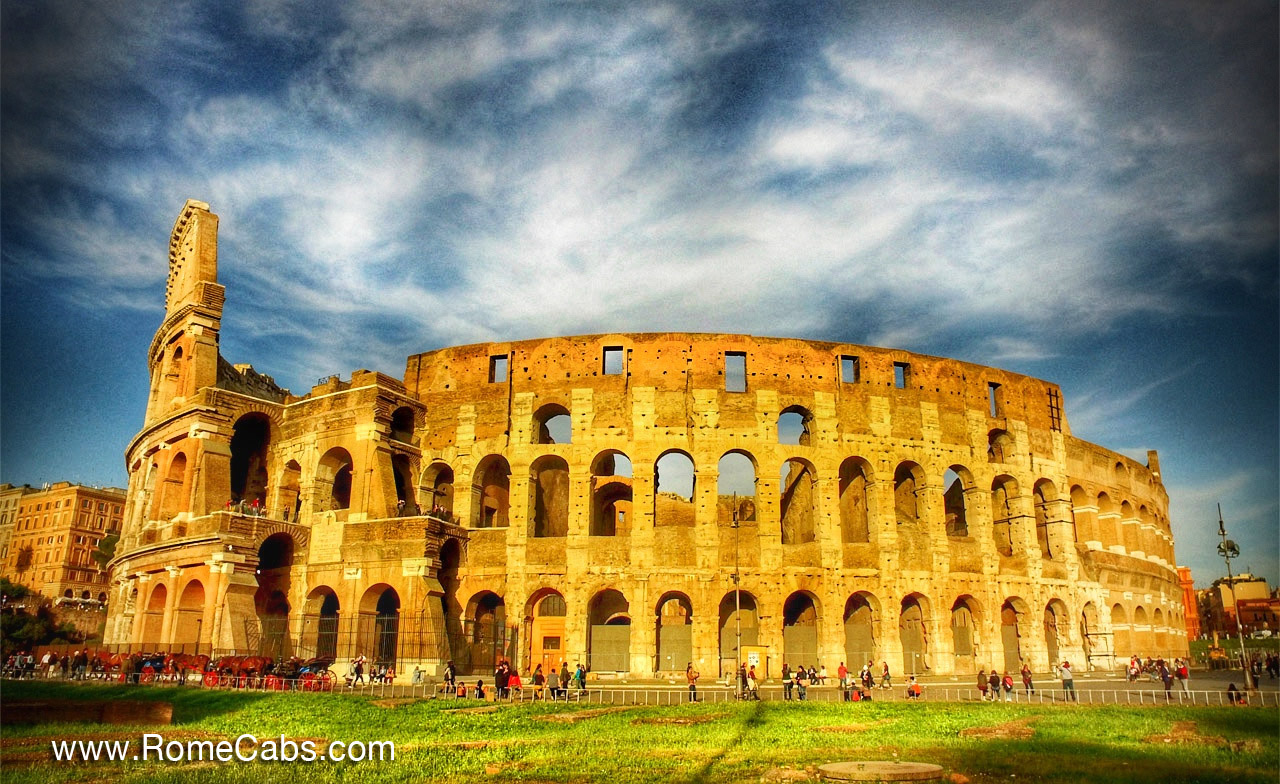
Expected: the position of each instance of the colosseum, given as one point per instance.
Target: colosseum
(633, 502)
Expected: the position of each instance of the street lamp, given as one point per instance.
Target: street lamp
(1228, 550)
(737, 595)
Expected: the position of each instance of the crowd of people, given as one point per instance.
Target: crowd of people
(552, 684)
(69, 666)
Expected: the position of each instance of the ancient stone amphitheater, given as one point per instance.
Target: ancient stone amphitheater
(598, 499)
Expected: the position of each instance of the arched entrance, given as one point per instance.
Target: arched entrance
(188, 618)
(271, 601)
(861, 628)
(1055, 628)
(913, 631)
(545, 613)
(1012, 615)
(378, 633)
(451, 609)
(609, 639)
(800, 630)
(249, 459)
(153, 619)
(674, 633)
(734, 618)
(964, 634)
(320, 623)
(486, 630)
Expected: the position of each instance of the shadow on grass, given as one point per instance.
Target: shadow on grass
(190, 703)
(752, 720)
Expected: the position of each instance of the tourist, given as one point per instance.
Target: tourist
(885, 682)
(1183, 674)
(983, 685)
(993, 683)
(417, 675)
(822, 676)
(913, 689)
(1166, 677)
(868, 680)
(1007, 681)
(501, 678)
(691, 675)
(514, 684)
(553, 684)
(539, 682)
(1068, 681)
(357, 669)
(753, 685)
(479, 690)
(450, 676)
(580, 675)
(813, 676)
(802, 683)
(1234, 695)
(1027, 687)
(564, 680)
(842, 672)
(787, 683)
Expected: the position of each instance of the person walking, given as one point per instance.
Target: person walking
(885, 681)
(1183, 675)
(993, 682)
(983, 685)
(692, 676)
(1027, 686)
(553, 684)
(1007, 682)
(802, 683)
(1068, 681)
(787, 683)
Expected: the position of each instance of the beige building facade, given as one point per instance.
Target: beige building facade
(598, 499)
(54, 531)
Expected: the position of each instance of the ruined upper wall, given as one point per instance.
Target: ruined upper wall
(675, 364)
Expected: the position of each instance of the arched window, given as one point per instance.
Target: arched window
(674, 632)
(549, 497)
(334, 474)
(402, 424)
(249, 458)
(796, 486)
(1004, 491)
(736, 479)
(800, 629)
(611, 512)
(552, 424)
(609, 637)
(674, 483)
(855, 475)
(954, 502)
(793, 426)
(999, 447)
(490, 493)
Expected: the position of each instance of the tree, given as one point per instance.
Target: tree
(106, 550)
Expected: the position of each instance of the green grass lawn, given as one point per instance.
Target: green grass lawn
(692, 743)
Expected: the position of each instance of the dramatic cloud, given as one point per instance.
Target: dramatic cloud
(1081, 191)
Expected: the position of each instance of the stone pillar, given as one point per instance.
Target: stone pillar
(170, 601)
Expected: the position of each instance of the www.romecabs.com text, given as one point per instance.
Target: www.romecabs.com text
(246, 748)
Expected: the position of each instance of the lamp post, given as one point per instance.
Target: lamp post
(1228, 550)
(737, 595)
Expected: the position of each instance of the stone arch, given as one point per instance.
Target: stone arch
(1004, 494)
(250, 450)
(271, 600)
(402, 474)
(174, 489)
(794, 426)
(451, 609)
(1142, 638)
(957, 482)
(153, 617)
(855, 511)
(486, 630)
(798, 501)
(378, 629)
(736, 483)
(674, 632)
(552, 424)
(609, 637)
(1056, 628)
(437, 489)
(1000, 446)
(1129, 528)
(861, 629)
(908, 480)
(490, 493)
(290, 492)
(1109, 527)
(914, 617)
(1120, 475)
(742, 615)
(333, 476)
(545, 615)
(800, 632)
(403, 423)
(611, 494)
(1090, 635)
(1014, 617)
(1044, 495)
(188, 617)
(320, 622)
(966, 620)
(674, 484)
(549, 497)
(1084, 515)
(1158, 631)
(1122, 632)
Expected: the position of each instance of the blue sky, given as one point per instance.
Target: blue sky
(1083, 192)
